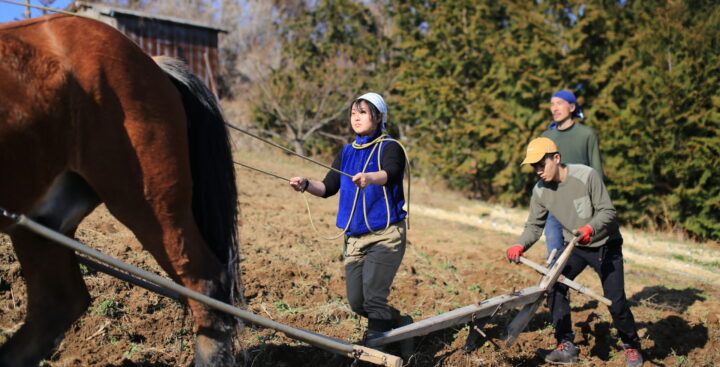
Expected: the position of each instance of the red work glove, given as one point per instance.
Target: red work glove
(584, 234)
(514, 253)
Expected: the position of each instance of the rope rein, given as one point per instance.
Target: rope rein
(377, 141)
(283, 148)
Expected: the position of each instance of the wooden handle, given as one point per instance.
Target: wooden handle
(554, 273)
(570, 283)
(375, 356)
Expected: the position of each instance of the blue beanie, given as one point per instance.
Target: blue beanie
(570, 98)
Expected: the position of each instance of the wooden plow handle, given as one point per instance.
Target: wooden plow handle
(521, 320)
(570, 283)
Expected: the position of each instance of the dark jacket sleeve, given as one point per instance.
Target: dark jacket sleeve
(332, 178)
(393, 162)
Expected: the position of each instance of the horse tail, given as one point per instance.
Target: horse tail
(214, 197)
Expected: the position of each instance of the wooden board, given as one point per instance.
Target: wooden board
(460, 316)
(521, 320)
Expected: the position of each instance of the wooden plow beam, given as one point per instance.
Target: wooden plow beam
(327, 343)
(459, 316)
(531, 298)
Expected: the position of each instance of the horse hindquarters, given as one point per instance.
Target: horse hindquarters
(214, 196)
(139, 163)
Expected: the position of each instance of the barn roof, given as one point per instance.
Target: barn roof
(113, 11)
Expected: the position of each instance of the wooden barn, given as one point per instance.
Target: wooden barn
(193, 42)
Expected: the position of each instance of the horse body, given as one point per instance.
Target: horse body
(87, 118)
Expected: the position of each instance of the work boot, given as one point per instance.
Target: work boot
(376, 327)
(633, 357)
(565, 353)
(406, 346)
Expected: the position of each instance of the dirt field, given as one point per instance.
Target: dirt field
(455, 257)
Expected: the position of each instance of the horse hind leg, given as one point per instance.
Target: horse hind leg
(56, 292)
(176, 244)
(161, 218)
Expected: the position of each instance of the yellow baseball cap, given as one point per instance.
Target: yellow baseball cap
(537, 149)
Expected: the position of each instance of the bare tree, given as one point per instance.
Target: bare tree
(332, 51)
(304, 104)
(47, 4)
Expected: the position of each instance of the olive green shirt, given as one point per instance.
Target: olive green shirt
(579, 200)
(578, 144)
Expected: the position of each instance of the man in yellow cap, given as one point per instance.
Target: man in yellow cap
(576, 195)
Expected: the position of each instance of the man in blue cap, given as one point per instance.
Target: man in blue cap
(578, 144)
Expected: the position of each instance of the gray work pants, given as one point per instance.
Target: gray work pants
(371, 262)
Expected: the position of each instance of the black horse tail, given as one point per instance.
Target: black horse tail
(215, 198)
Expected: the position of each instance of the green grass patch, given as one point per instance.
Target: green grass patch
(475, 288)
(108, 308)
(284, 307)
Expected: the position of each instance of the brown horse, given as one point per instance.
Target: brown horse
(87, 118)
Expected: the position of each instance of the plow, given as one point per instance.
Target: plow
(529, 299)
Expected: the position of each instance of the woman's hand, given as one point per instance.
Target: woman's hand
(361, 180)
(299, 183)
(365, 179)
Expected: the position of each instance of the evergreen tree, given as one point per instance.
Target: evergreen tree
(661, 114)
(446, 49)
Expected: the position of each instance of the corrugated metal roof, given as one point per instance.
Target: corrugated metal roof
(112, 11)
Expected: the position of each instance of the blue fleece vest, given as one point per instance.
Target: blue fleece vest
(353, 161)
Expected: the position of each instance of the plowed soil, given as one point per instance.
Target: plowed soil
(293, 276)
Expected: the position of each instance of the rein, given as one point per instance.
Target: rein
(375, 143)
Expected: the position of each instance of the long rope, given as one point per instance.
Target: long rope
(375, 143)
(307, 203)
(381, 139)
(285, 149)
(261, 171)
(355, 200)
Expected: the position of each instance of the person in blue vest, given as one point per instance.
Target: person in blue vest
(370, 211)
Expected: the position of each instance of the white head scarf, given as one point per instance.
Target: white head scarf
(379, 103)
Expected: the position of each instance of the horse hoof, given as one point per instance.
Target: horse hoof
(212, 352)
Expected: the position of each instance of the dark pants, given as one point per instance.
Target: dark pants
(371, 262)
(607, 261)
